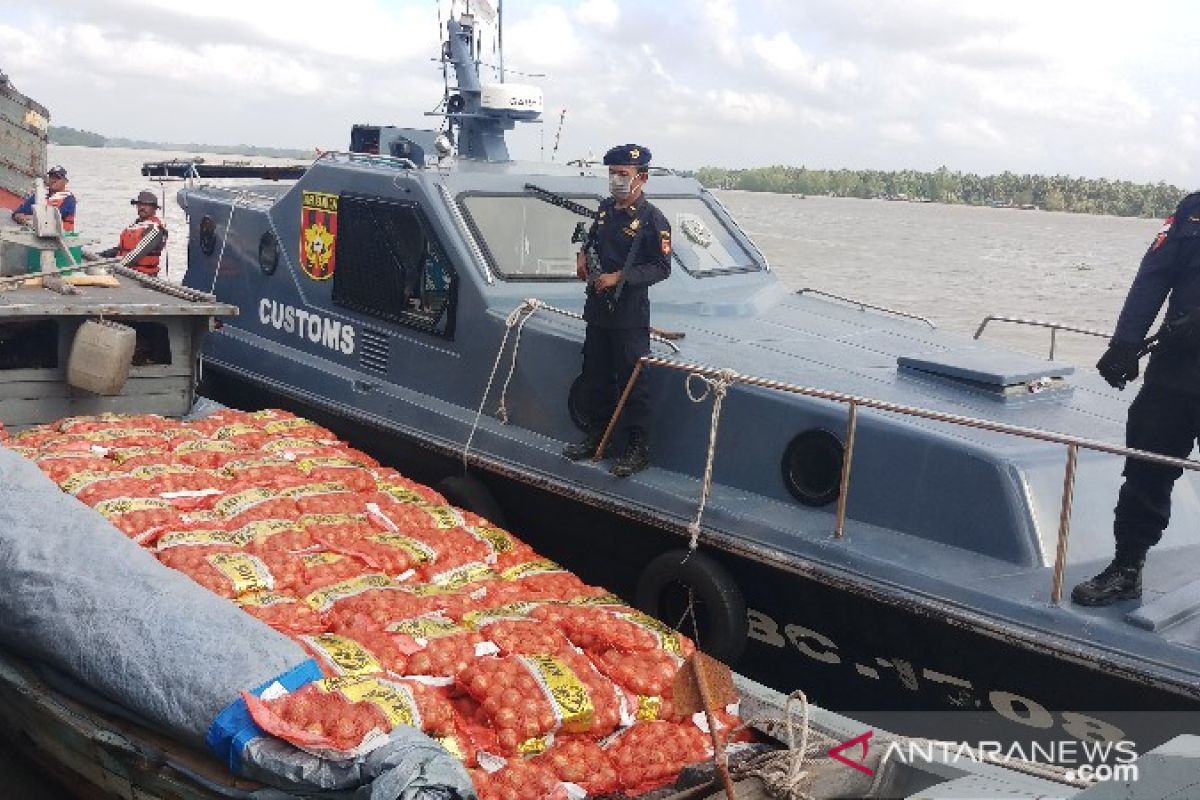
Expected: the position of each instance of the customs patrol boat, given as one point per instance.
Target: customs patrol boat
(841, 497)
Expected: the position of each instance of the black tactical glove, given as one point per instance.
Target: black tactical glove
(1119, 364)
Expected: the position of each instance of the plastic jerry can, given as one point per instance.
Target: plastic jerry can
(100, 356)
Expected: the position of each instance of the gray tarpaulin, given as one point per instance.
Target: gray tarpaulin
(80, 596)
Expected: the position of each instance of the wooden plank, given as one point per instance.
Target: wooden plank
(101, 756)
(17, 413)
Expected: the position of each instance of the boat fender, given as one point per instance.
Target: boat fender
(719, 603)
(470, 493)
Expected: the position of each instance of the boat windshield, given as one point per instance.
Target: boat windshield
(528, 238)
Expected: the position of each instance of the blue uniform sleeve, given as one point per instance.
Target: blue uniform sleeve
(26, 206)
(67, 209)
(653, 262)
(1157, 274)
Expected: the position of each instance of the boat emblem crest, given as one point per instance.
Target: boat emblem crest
(318, 234)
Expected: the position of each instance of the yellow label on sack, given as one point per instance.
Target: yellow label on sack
(568, 696)
(284, 425)
(107, 435)
(243, 501)
(427, 627)
(444, 517)
(396, 701)
(347, 656)
(246, 573)
(517, 611)
(418, 550)
(207, 446)
(231, 468)
(332, 519)
(235, 429)
(324, 599)
(260, 530)
(535, 746)
(542, 566)
(598, 600)
(115, 506)
(291, 443)
(668, 639)
(151, 471)
(321, 558)
(496, 538)
(648, 708)
(320, 462)
(82, 480)
(463, 575)
(452, 745)
(202, 537)
(265, 599)
(202, 516)
(126, 453)
(402, 493)
(312, 489)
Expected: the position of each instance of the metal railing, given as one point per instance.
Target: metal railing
(1054, 327)
(854, 402)
(862, 305)
(374, 159)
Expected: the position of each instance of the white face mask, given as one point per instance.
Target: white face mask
(620, 186)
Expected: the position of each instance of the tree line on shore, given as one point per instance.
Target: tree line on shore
(1049, 193)
(74, 136)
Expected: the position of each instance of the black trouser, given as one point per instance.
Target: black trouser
(609, 356)
(1165, 421)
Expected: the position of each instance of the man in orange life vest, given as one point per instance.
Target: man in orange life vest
(145, 237)
(58, 195)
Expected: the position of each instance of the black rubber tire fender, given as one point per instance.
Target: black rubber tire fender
(467, 491)
(725, 625)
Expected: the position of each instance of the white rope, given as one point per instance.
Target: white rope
(782, 771)
(520, 315)
(718, 387)
(517, 319)
(228, 224)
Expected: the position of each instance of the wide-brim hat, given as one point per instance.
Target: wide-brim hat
(147, 197)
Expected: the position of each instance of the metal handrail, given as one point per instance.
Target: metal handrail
(370, 158)
(1073, 443)
(872, 306)
(1054, 327)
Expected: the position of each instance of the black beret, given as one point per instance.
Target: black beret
(633, 155)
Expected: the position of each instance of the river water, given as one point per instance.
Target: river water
(951, 264)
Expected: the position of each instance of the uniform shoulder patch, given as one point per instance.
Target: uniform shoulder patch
(1161, 236)
(665, 242)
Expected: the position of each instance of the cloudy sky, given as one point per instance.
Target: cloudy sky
(1043, 86)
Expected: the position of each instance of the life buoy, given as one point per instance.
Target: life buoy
(467, 491)
(662, 592)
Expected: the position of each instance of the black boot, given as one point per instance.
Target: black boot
(1120, 580)
(636, 457)
(584, 449)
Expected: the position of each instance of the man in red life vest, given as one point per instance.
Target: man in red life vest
(58, 195)
(145, 237)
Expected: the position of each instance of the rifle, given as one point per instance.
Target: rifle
(594, 270)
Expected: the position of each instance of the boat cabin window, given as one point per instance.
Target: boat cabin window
(391, 266)
(700, 240)
(524, 237)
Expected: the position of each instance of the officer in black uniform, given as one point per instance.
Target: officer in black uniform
(1165, 416)
(633, 241)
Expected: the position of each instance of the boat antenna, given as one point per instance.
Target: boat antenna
(500, 35)
(558, 134)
